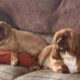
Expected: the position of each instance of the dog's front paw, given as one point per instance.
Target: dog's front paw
(57, 69)
(60, 69)
(13, 63)
(14, 59)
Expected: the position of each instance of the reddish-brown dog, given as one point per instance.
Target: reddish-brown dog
(63, 55)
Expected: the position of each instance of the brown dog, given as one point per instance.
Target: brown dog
(19, 41)
(63, 55)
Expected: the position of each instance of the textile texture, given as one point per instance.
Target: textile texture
(43, 16)
(48, 75)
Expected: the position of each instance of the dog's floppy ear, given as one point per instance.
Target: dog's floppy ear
(5, 28)
(55, 53)
(73, 41)
(44, 54)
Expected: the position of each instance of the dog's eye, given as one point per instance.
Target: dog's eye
(64, 37)
(1, 29)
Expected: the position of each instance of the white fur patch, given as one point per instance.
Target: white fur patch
(70, 62)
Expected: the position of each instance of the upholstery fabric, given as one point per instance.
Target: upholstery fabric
(8, 72)
(30, 15)
(47, 37)
(48, 75)
(43, 16)
(68, 15)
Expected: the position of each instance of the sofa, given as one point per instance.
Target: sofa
(43, 17)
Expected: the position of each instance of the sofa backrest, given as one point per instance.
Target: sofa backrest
(42, 16)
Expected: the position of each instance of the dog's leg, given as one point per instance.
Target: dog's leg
(55, 60)
(57, 64)
(44, 54)
(14, 58)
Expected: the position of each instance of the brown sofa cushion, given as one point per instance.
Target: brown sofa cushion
(48, 75)
(46, 16)
(68, 15)
(31, 15)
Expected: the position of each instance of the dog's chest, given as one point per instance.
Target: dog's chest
(70, 61)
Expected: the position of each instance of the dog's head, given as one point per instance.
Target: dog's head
(66, 39)
(68, 42)
(4, 30)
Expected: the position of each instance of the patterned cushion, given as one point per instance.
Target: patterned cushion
(8, 72)
(48, 75)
